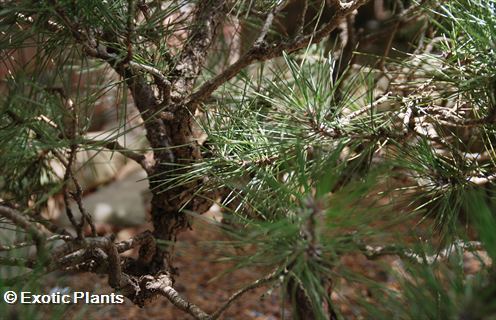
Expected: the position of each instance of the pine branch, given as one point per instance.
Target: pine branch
(374, 252)
(262, 51)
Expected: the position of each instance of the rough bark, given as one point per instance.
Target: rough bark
(178, 121)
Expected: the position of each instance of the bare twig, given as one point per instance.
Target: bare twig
(131, 12)
(29, 243)
(364, 109)
(302, 17)
(256, 284)
(20, 220)
(268, 22)
(134, 242)
(86, 216)
(162, 284)
(374, 252)
(145, 241)
(389, 45)
(151, 70)
(72, 134)
(65, 192)
(116, 146)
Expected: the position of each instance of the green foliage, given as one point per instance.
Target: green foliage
(276, 142)
(318, 164)
(443, 289)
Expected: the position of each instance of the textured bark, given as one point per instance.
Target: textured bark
(301, 303)
(169, 123)
(178, 121)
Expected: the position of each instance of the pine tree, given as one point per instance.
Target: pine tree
(317, 148)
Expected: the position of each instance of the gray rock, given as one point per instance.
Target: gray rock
(122, 202)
